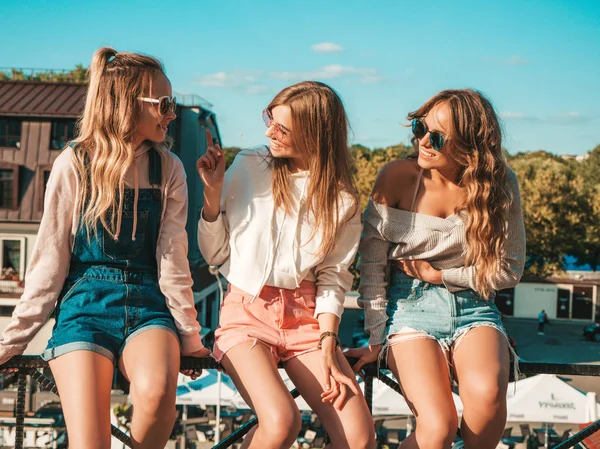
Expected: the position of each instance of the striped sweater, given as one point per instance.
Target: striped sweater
(395, 234)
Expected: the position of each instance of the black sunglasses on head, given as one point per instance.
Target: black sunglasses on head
(419, 130)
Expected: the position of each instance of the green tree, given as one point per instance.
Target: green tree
(590, 167)
(367, 164)
(78, 75)
(230, 153)
(588, 250)
(555, 210)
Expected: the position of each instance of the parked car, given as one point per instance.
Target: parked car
(592, 332)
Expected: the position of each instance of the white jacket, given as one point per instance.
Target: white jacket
(247, 235)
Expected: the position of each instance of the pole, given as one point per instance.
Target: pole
(183, 423)
(218, 417)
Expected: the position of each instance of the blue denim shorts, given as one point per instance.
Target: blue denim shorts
(431, 311)
(100, 309)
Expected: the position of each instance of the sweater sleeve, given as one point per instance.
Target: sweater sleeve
(334, 278)
(175, 279)
(513, 260)
(49, 263)
(372, 265)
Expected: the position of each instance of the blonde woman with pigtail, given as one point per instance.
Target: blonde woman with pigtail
(284, 224)
(110, 259)
(441, 234)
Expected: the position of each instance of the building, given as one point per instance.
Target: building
(563, 298)
(37, 119)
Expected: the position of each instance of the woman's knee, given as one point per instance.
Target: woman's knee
(280, 426)
(485, 394)
(154, 393)
(436, 428)
(361, 437)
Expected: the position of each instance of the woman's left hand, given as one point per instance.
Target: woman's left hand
(336, 383)
(194, 374)
(421, 269)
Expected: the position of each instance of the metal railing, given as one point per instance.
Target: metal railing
(192, 100)
(29, 365)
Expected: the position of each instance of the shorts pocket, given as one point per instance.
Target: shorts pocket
(67, 291)
(69, 288)
(235, 297)
(308, 300)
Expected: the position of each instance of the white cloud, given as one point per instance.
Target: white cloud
(258, 82)
(516, 60)
(513, 60)
(327, 47)
(568, 118)
(366, 75)
(246, 80)
(371, 79)
(233, 79)
(513, 115)
(257, 89)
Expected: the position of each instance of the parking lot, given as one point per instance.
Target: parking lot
(562, 343)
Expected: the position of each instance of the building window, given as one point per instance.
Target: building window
(62, 132)
(10, 133)
(9, 182)
(6, 310)
(43, 174)
(12, 258)
(505, 301)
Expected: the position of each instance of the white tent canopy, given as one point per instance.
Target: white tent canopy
(204, 391)
(546, 398)
(387, 402)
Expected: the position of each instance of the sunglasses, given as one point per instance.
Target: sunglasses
(165, 104)
(419, 130)
(280, 130)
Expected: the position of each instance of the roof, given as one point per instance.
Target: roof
(41, 99)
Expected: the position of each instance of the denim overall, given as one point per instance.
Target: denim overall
(111, 292)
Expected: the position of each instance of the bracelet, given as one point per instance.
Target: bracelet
(326, 334)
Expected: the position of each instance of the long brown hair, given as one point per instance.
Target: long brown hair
(475, 140)
(107, 130)
(321, 134)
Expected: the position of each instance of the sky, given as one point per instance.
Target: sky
(538, 61)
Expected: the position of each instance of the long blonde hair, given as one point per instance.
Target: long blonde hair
(321, 135)
(475, 140)
(104, 149)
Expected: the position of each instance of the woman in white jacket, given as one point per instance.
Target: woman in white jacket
(284, 224)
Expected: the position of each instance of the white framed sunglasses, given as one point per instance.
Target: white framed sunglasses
(165, 104)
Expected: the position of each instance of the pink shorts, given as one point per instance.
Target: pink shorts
(281, 319)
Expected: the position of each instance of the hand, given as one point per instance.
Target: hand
(4, 358)
(211, 166)
(336, 383)
(421, 269)
(194, 374)
(364, 355)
